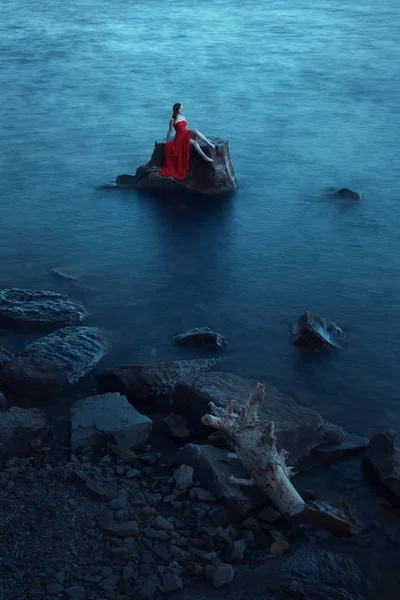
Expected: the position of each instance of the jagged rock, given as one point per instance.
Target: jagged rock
(213, 468)
(203, 337)
(298, 429)
(350, 445)
(3, 402)
(53, 363)
(177, 426)
(205, 178)
(5, 355)
(97, 420)
(313, 331)
(18, 428)
(383, 456)
(152, 381)
(89, 486)
(39, 307)
(338, 519)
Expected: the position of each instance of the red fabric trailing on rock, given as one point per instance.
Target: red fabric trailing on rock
(177, 153)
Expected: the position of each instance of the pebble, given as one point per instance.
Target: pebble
(171, 583)
(59, 576)
(236, 551)
(54, 588)
(201, 495)
(149, 588)
(109, 584)
(223, 575)
(162, 523)
(161, 552)
(278, 548)
(132, 473)
(118, 503)
(3, 402)
(153, 534)
(179, 554)
(183, 477)
(76, 592)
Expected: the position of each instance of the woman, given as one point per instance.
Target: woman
(177, 152)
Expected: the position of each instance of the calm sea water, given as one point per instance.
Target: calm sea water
(308, 97)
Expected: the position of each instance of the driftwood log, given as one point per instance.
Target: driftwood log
(257, 451)
(211, 179)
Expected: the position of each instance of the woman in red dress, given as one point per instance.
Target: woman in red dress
(177, 152)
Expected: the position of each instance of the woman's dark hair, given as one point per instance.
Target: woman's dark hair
(175, 109)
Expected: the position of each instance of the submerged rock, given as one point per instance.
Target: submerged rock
(97, 420)
(313, 331)
(205, 178)
(344, 193)
(39, 307)
(154, 381)
(298, 429)
(383, 456)
(203, 337)
(18, 428)
(54, 362)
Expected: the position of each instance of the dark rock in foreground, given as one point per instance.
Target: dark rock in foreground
(98, 419)
(54, 362)
(5, 355)
(298, 429)
(384, 457)
(202, 337)
(153, 381)
(314, 331)
(309, 574)
(205, 178)
(39, 307)
(18, 428)
(212, 468)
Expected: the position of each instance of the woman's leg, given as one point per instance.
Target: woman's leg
(203, 138)
(200, 151)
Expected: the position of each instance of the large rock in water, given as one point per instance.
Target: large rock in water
(202, 337)
(18, 428)
(206, 178)
(39, 307)
(54, 362)
(383, 455)
(298, 429)
(152, 381)
(97, 420)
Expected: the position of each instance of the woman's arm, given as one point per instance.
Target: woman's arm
(171, 124)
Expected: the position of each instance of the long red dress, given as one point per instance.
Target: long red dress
(177, 153)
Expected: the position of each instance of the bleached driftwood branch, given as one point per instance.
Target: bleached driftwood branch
(258, 453)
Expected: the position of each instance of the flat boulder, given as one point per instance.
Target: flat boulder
(212, 468)
(18, 428)
(53, 363)
(107, 418)
(315, 332)
(202, 337)
(383, 455)
(35, 307)
(298, 429)
(152, 381)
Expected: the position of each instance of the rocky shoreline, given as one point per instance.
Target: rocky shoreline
(130, 498)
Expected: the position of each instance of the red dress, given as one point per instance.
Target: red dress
(177, 153)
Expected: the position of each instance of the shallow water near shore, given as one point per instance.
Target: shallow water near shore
(308, 98)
